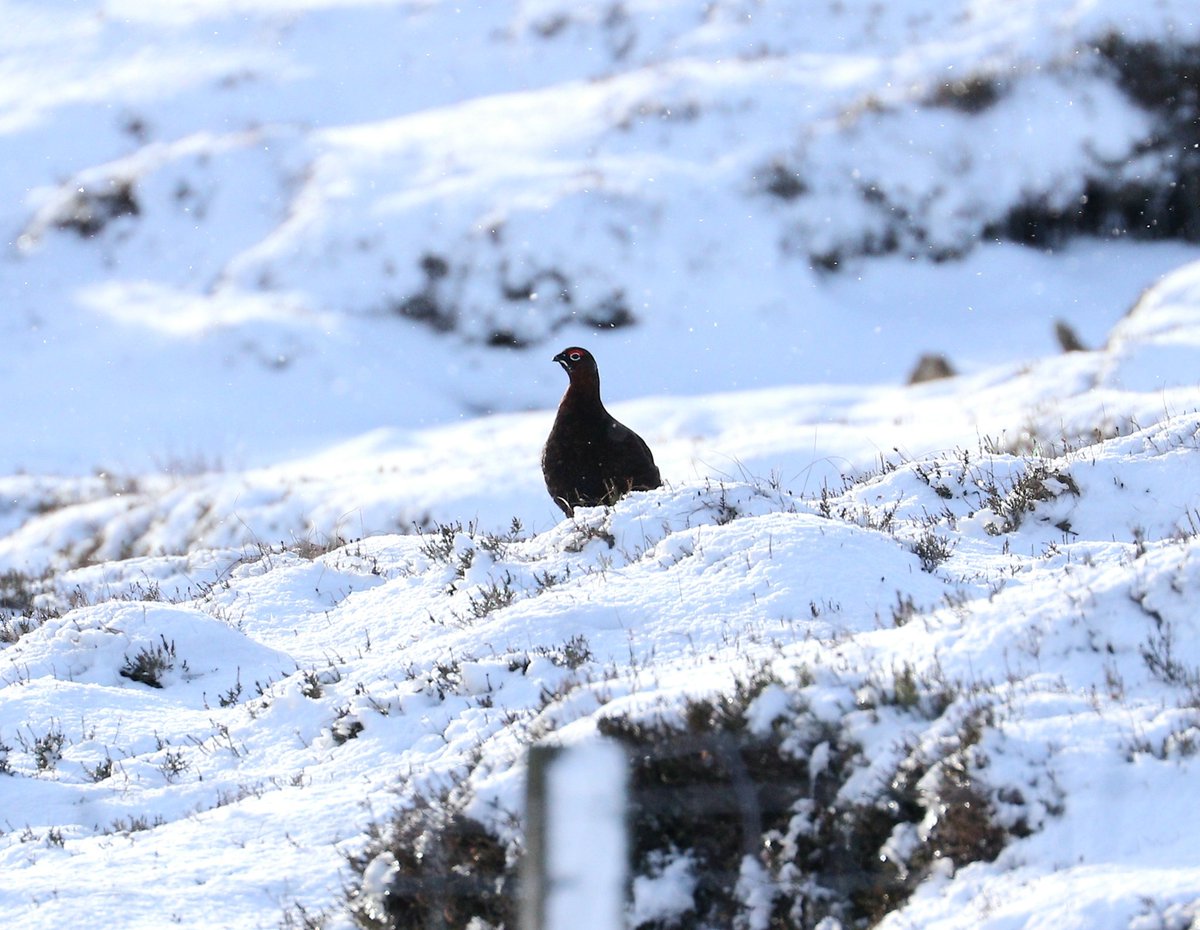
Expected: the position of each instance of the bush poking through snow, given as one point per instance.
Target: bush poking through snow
(345, 727)
(1033, 486)
(723, 789)
(973, 94)
(932, 549)
(89, 209)
(433, 868)
(298, 917)
(46, 749)
(101, 770)
(17, 591)
(13, 628)
(150, 663)
(492, 596)
(174, 764)
(21, 609)
(932, 366)
(135, 823)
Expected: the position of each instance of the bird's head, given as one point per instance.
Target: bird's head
(575, 359)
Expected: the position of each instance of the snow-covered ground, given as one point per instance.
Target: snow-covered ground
(282, 285)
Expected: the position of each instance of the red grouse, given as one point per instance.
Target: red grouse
(589, 457)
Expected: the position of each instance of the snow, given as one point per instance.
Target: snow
(663, 896)
(282, 282)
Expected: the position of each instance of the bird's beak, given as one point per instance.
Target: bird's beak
(561, 358)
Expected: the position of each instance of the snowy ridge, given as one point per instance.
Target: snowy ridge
(485, 471)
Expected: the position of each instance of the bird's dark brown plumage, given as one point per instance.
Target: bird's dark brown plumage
(589, 458)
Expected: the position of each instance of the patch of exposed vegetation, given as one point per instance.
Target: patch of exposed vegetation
(971, 94)
(717, 787)
(93, 207)
(1160, 203)
(150, 663)
(435, 868)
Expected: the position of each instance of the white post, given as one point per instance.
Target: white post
(575, 875)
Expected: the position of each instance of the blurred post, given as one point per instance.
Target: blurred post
(576, 848)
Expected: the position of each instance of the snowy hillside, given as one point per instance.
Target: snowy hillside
(971, 673)
(992, 656)
(266, 226)
(284, 602)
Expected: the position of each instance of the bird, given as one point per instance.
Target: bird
(589, 457)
